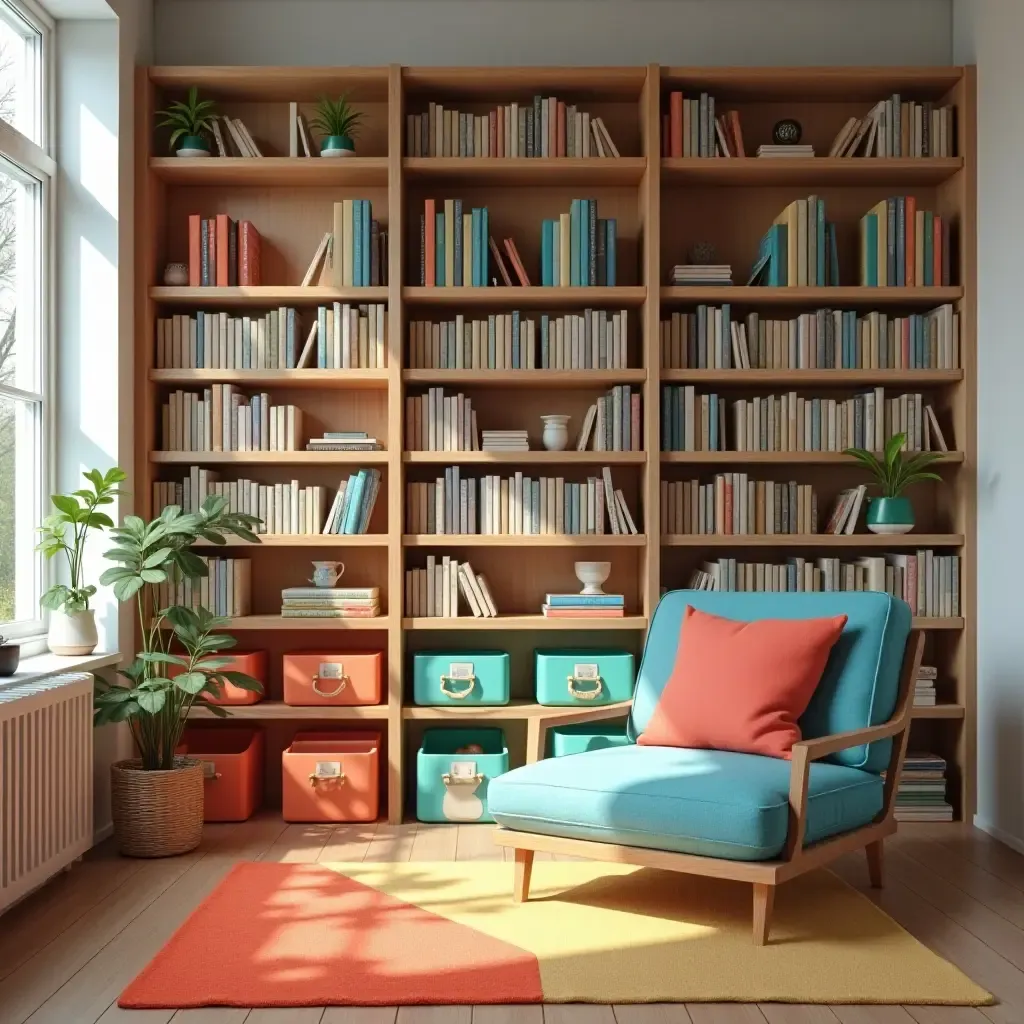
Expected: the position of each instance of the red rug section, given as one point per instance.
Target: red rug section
(303, 935)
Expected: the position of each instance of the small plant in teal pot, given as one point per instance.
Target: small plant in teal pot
(192, 123)
(891, 512)
(338, 124)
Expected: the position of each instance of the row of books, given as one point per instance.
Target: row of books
(895, 127)
(734, 504)
(343, 441)
(353, 503)
(282, 508)
(436, 422)
(612, 423)
(924, 686)
(221, 418)
(690, 128)
(846, 510)
(792, 423)
(928, 582)
(799, 249)
(231, 137)
(921, 789)
(593, 339)
(222, 252)
(330, 602)
(336, 262)
(902, 246)
(454, 245)
(578, 249)
(710, 339)
(224, 590)
(433, 592)
(348, 337)
(517, 505)
(547, 127)
(584, 606)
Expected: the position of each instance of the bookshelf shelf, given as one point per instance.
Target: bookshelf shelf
(351, 380)
(271, 171)
(811, 172)
(269, 295)
(508, 540)
(523, 171)
(662, 208)
(561, 379)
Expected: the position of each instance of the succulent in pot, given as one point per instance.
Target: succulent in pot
(339, 125)
(192, 123)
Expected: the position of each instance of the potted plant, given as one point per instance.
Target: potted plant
(192, 122)
(339, 125)
(10, 655)
(72, 622)
(891, 512)
(157, 797)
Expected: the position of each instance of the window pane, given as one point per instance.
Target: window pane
(20, 283)
(20, 73)
(20, 457)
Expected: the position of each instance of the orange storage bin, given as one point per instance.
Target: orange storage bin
(331, 777)
(321, 679)
(233, 768)
(252, 663)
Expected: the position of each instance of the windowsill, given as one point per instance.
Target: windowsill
(43, 665)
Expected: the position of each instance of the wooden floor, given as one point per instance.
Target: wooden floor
(68, 951)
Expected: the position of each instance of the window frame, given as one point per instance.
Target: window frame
(32, 162)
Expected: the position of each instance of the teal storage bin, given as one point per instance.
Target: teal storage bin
(451, 786)
(582, 678)
(460, 678)
(578, 739)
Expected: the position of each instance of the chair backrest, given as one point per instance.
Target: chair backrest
(861, 680)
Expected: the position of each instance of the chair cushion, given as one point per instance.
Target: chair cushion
(707, 802)
(741, 685)
(861, 679)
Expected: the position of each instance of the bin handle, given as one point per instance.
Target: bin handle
(575, 691)
(314, 778)
(462, 780)
(342, 683)
(457, 694)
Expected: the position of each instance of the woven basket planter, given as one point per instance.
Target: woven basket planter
(157, 814)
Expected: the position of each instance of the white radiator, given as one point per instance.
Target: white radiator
(45, 780)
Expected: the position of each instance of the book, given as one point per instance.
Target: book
(901, 245)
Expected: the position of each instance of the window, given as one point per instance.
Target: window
(26, 172)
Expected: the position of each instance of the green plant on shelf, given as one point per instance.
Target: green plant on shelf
(338, 122)
(894, 472)
(191, 119)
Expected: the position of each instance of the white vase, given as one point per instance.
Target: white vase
(556, 432)
(72, 633)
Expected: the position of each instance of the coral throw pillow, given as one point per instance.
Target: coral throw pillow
(741, 685)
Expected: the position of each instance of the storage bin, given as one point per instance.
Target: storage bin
(331, 777)
(583, 678)
(461, 678)
(332, 679)
(232, 759)
(584, 736)
(451, 782)
(252, 663)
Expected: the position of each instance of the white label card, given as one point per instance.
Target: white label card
(585, 671)
(328, 769)
(461, 670)
(209, 770)
(331, 670)
(462, 769)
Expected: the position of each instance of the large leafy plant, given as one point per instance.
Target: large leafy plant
(894, 472)
(179, 664)
(193, 117)
(65, 531)
(337, 117)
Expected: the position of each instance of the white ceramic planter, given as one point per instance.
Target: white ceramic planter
(73, 633)
(556, 432)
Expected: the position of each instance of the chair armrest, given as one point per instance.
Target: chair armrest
(814, 750)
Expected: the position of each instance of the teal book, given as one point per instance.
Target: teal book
(869, 247)
(367, 227)
(369, 500)
(833, 257)
(609, 251)
(458, 282)
(821, 244)
(477, 243)
(901, 241)
(591, 264)
(346, 501)
(574, 243)
(583, 251)
(929, 250)
(357, 243)
(351, 520)
(439, 249)
(556, 241)
(546, 277)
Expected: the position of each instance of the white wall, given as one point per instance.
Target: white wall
(468, 32)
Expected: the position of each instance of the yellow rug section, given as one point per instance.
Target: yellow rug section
(617, 934)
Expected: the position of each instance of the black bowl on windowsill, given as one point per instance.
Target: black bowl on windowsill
(10, 655)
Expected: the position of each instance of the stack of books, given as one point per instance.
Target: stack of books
(902, 246)
(799, 250)
(843, 519)
(694, 274)
(453, 245)
(217, 341)
(584, 606)
(795, 150)
(735, 504)
(579, 248)
(353, 504)
(224, 590)
(436, 422)
(343, 441)
(222, 252)
(223, 419)
(330, 602)
(505, 441)
(921, 791)
(433, 592)
(924, 686)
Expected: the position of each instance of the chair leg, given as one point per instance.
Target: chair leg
(875, 863)
(764, 901)
(524, 868)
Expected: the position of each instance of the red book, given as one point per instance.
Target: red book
(737, 132)
(727, 505)
(430, 226)
(500, 127)
(517, 263)
(248, 254)
(910, 256)
(675, 116)
(634, 423)
(937, 251)
(221, 250)
(560, 131)
(211, 258)
(665, 141)
(195, 258)
(502, 269)
(584, 613)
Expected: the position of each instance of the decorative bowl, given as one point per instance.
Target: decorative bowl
(176, 275)
(592, 575)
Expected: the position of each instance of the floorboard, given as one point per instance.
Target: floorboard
(946, 1015)
(476, 842)
(651, 1013)
(724, 1013)
(348, 843)
(286, 1015)
(359, 1015)
(435, 1015)
(391, 843)
(793, 1013)
(434, 842)
(510, 1014)
(578, 1013)
(873, 1015)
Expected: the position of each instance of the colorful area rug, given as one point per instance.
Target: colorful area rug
(387, 934)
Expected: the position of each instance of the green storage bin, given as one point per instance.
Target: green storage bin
(578, 739)
(460, 678)
(581, 678)
(451, 786)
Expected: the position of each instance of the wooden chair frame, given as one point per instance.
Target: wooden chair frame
(796, 857)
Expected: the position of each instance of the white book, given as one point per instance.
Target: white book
(304, 135)
(585, 430)
(293, 129)
(624, 513)
(432, 607)
(468, 590)
(485, 590)
(247, 136)
(218, 138)
(318, 257)
(236, 137)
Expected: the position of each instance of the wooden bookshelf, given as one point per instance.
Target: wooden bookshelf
(662, 206)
